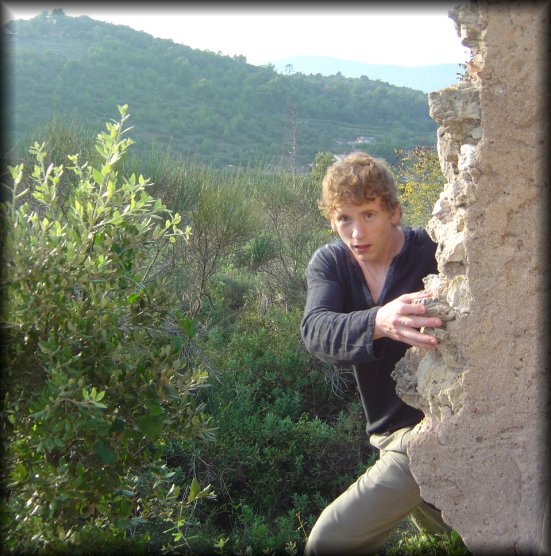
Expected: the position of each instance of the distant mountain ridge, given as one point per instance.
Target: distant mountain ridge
(423, 78)
(218, 109)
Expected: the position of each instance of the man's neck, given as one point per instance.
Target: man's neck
(375, 272)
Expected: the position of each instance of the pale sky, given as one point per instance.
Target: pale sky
(402, 34)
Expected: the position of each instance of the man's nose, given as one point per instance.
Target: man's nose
(357, 230)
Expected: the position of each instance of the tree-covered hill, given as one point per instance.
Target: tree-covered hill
(217, 108)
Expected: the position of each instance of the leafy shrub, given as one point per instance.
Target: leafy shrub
(98, 378)
(258, 251)
(63, 137)
(423, 544)
(290, 229)
(285, 446)
(420, 184)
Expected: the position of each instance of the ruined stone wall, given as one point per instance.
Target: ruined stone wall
(480, 454)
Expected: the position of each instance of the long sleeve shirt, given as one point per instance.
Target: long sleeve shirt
(339, 320)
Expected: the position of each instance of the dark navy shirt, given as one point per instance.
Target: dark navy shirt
(339, 318)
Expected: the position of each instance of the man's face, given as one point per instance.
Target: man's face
(367, 229)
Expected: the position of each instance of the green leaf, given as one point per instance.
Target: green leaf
(98, 178)
(153, 408)
(128, 493)
(117, 426)
(117, 217)
(104, 452)
(133, 297)
(194, 490)
(122, 524)
(151, 426)
(174, 492)
(59, 442)
(19, 473)
(110, 189)
(189, 326)
(176, 343)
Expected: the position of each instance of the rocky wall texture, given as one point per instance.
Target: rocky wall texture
(480, 454)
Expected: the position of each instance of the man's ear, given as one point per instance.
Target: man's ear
(396, 214)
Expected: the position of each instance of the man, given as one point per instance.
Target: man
(359, 313)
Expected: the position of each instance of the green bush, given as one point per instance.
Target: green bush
(285, 446)
(98, 378)
(290, 228)
(423, 544)
(420, 183)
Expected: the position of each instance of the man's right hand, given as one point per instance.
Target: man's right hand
(401, 320)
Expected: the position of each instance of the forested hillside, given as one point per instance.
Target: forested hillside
(219, 109)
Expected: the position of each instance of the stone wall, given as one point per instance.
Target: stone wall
(480, 454)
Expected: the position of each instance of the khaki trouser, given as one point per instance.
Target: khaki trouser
(361, 519)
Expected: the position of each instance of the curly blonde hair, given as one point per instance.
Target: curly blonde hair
(356, 179)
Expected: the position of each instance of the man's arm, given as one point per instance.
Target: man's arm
(328, 332)
(347, 338)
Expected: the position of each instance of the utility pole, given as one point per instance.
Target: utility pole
(292, 115)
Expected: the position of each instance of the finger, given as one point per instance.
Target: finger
(417, 323)
(413, 309)
(409, 297)
(425, 341)
(429, 322)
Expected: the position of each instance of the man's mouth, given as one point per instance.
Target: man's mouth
(362, 248)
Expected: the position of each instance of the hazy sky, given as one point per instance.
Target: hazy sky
(404, 34)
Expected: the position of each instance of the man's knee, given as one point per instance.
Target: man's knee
(332, 537)
(320, 537)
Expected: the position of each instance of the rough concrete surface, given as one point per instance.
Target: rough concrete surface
(480, 454)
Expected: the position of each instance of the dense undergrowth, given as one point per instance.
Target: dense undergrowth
(158, 397)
